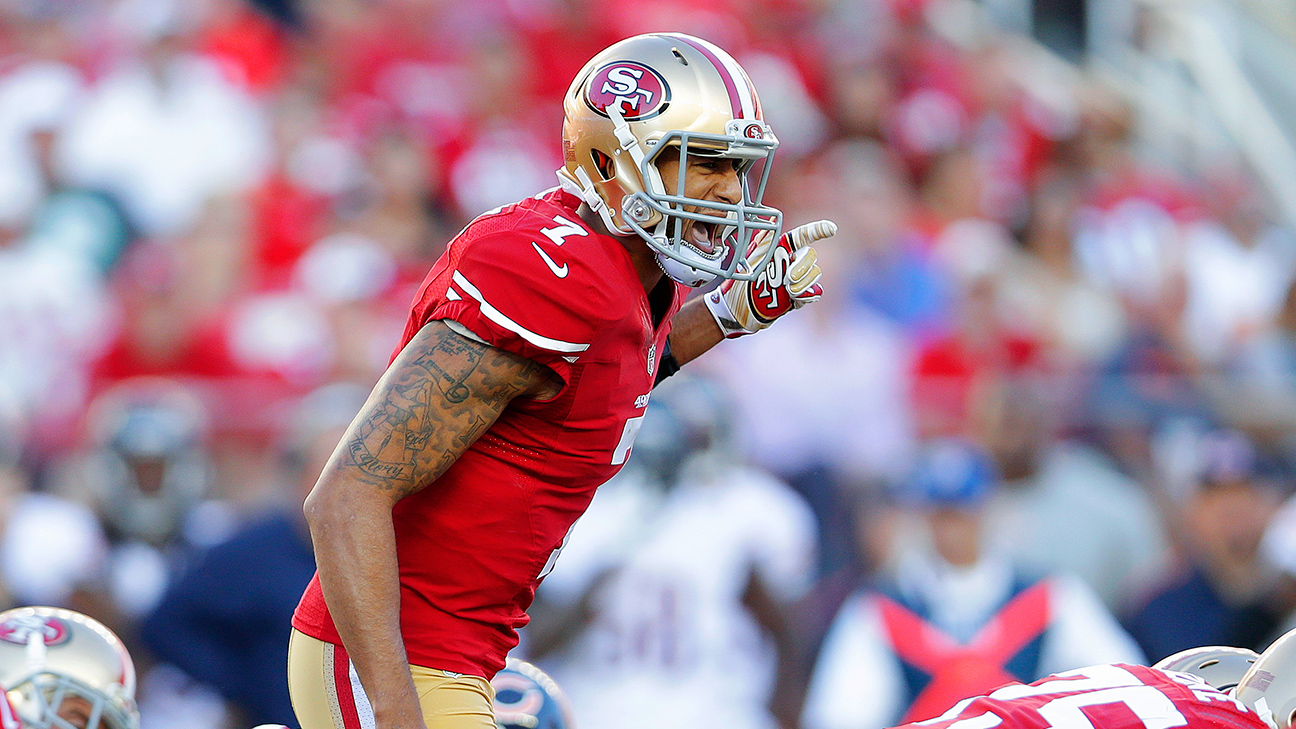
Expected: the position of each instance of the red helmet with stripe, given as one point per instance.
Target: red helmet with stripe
(670, 91)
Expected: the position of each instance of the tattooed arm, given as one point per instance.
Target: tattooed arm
(439, 395)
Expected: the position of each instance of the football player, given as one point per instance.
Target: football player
(521, 380)
(1134, 697)
(64, 670)
(679, 581)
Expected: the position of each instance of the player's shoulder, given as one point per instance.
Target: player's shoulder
(543, 244)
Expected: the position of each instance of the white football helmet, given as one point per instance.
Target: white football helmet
(64, 670)
(661, 91)
(1220, 666)
(1269, 687)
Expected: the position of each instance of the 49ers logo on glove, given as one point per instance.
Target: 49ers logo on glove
(790, 280)
(770, 298)
(636, 90)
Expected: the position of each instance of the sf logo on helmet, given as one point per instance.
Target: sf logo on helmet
(20, 629)
(636, 90)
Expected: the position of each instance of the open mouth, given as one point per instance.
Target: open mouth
(703, 238)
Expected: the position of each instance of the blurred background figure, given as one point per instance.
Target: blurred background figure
(679, 582)
(224, 621)
(1223, 589)
(951, 617)
(1064, 506)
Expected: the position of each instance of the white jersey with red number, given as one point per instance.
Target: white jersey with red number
(533, 279)
(1114, 696)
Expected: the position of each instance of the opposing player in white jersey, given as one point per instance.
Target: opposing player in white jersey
(681, 575)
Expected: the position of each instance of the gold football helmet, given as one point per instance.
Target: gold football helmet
(1269, 687)
(1220, 666)
(64, 670)
(661, 91)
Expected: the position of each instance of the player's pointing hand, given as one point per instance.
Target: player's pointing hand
(790, 280)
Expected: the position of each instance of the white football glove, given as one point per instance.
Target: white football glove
(790, 280)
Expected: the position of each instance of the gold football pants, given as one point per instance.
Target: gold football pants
(326, 693)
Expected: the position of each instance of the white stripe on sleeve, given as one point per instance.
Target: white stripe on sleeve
(495, 315)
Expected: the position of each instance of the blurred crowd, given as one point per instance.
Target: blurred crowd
(214, 213)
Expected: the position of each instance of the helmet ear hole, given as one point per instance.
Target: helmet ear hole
(602, 164)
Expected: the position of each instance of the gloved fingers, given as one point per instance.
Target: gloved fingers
(804, 275)
(810, 233)
(802, 261)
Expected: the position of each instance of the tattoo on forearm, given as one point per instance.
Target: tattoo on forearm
(442, 392)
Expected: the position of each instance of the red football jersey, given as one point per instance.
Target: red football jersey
(1101, 697)
(533, 279)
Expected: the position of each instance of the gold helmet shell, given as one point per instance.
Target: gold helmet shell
(1220, 666)
(50, 655)
(659, 91)
(1269, 687)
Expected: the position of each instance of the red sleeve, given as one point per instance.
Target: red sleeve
(501, 290)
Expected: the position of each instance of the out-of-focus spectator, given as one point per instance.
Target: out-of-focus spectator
(146, 472)
(55, 318)
(1238, 266)
(891, 267)
(38, 92)
(1063, 507)
(1218, 594)
(1080, 323)
(50, 547)
(952, 618)
(836, 379)
(226, 625)
(679, 585)
(166, 130)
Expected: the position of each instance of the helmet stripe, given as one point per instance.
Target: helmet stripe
(730, 72)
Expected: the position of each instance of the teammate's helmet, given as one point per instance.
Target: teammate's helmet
(1269, 687)
(51, 658)
(662, 91)
(1220, 666)
(526, 698)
